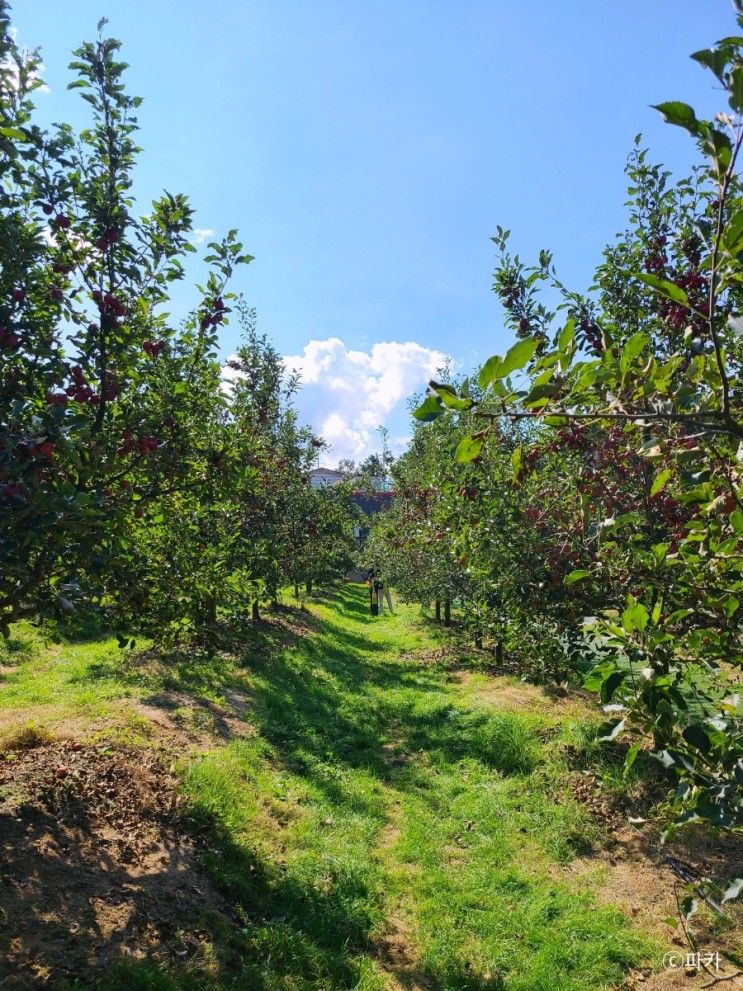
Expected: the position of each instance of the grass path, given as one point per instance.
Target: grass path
(398, 831)
(383, 823)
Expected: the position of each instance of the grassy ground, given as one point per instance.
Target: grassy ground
(383, 822)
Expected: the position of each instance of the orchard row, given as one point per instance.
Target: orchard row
(580, 498)
(139, 480)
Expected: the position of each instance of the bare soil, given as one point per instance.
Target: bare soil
(94, 864)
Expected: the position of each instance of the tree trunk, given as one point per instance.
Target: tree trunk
(210, 611)
(256, 611)
(438, 610)
(447, 612)
(296, 590)
(308, 587)
(499, 653)
(478, 642)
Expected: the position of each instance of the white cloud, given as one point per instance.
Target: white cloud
(9, 70)
(346, 395)
(200, 234)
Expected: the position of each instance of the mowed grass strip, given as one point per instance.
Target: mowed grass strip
(381, 829)
(397, 836)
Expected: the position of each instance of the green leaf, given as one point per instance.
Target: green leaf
(429, 410)
(593, 681)
(657, 611)
(449, 397)
(716, 814)
(731, 606)
(516, 462)
(679, 614)
(735, 89)
(697, 737)
(516, 357)
(519, 355)
(547, 362)
(635, 617)
(732, 237)
(631, 757)
(689, 906)
(567, 335)
(611, 684)
(680, 114)
(541, 395)
(14, 134)
(715, 59)
(490, 371)
(468, 449)
(576, 576)
(717, 145)
(668, 289)
(442, 387)
(634, 346)
(455, 403)
(660, 480)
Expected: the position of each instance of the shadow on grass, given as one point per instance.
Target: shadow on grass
(353, 601)
(291, 937)
(317, 698)
(80, 920)
(319, 703)
(15, 650)
(323, 704)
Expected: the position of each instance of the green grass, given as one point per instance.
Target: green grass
(381, 829)
(59, 674)
(88, 682)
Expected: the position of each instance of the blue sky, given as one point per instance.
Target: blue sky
(366, 150)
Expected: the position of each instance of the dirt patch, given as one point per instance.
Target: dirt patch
(95, 865)
(608, 808)
(397, 955)
(58, 721)
(643, 888)
(294, 620)
(395, 951)
(171, 720)
(508, 693)
(398, 958)
(634, 874)
(431, 656)
(673, 979)
(182, 719)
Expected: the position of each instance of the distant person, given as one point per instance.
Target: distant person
(383, 594)
(373, 593)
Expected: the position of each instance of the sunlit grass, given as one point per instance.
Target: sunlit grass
(73, 676)
(380, 798)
